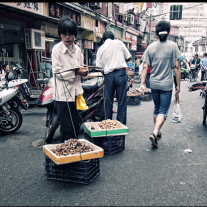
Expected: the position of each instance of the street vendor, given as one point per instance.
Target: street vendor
(66, 56)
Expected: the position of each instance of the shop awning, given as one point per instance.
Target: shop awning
(26, 14)
(123, 40)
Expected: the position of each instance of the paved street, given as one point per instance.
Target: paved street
(137, 176)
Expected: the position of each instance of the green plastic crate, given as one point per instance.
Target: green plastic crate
(101, 133)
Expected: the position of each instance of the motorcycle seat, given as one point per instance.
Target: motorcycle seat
(42, 81)
(92, 84)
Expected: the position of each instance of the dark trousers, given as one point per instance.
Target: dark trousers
(202, 75)
(115, 81)
(69, 120)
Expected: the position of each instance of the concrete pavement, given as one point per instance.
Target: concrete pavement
(137, 176)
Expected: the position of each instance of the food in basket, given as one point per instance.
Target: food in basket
(71, 147)
(110, 124)
(133, 93)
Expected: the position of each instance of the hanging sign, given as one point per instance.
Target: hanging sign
(88, 44)
(36, 7)
(133, 39)
(116, 31)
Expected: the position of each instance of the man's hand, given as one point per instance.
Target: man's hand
(83, 71)
(141, 89)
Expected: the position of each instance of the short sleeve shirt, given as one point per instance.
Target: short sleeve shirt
(111, 55)
(161, 57)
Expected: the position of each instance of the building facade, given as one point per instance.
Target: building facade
(21, 21)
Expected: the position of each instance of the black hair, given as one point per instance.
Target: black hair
(196, 54)
(163, 26)
(205, 54)
(67, 25)
(107, 35)
(4, 66)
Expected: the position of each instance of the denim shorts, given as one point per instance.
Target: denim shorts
(162, 100)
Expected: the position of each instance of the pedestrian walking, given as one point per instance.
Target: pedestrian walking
(137, 64)
(112, 57)
(162, 56)
(203, 64)
(67, 87)
(181, 61)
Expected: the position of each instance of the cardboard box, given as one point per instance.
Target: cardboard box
(104, 132)
(96, 153)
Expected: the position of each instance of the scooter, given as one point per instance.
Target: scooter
(10, 116)
(25, 89)
(93, 95)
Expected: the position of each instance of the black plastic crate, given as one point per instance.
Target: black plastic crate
(146, 97)
(133, 100)
(109, 144)
(78, 172)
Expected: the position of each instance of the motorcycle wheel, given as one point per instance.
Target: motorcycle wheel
(51, 129)
(17, 119)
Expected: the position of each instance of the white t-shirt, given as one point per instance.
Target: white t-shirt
(111, 55)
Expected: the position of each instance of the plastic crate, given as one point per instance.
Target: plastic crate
(146, 97)
(133, 100)
(110, 144)
(83, 172)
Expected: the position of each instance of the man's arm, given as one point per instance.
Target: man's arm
(127, 60)
(177, 75)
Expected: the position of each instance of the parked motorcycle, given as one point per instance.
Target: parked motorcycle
(25, 89)
(93, 95)
(10, 116)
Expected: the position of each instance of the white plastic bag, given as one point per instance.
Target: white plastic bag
(177, 114)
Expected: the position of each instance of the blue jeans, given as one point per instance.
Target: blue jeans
(162, 100)
(115, 81)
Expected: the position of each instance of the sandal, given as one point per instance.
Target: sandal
(153, 139)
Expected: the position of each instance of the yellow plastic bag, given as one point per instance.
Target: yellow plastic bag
(80, 103)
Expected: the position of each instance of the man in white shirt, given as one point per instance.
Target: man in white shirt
(112, 57)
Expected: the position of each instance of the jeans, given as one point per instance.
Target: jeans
(68, 117)
(162, 100)
(203, 75)
(115, 81)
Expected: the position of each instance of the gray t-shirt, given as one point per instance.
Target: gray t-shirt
(161, 57)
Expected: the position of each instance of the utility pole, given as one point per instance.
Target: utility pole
(150, 28)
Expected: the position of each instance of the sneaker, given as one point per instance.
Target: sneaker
(153, 139)
(159, 135)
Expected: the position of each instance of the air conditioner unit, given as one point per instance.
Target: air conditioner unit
(96, 5)
(34, 39)
(123, 17)
(138, 21)
(130, 19)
